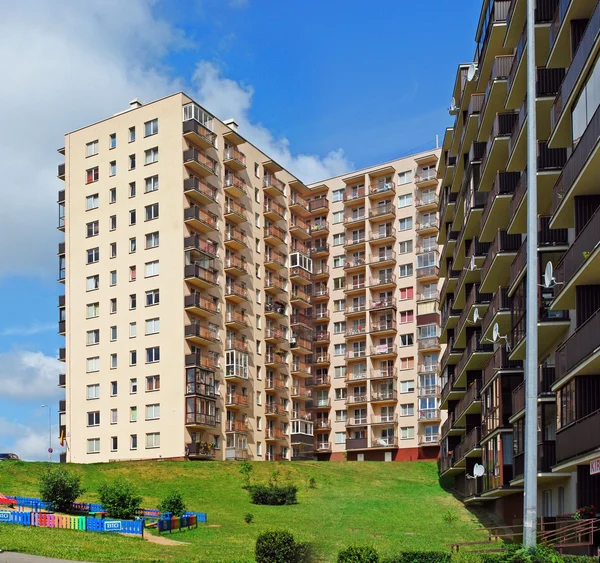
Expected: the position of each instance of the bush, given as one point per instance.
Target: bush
(358, 554)
(120, 499)
(450, 517)
(246, 472)
(274, 495)
(248, 517)
(60, 488)
(279, 546)
(420, 557)
(174, 504)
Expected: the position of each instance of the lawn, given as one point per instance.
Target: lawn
(395, 506)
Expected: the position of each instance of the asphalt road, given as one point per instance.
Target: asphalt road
(6, 557)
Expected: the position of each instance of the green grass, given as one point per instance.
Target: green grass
(395, 506)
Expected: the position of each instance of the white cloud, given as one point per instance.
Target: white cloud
(30, 443)
(28, 330)
(29, 375)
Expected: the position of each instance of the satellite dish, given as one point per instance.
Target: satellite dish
(476, 315)
(495, 332)
(548, 277)
(472, 263)
(453, 110)
(473, 72)
(478, 470)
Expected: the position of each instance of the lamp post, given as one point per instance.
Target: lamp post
(49, 431)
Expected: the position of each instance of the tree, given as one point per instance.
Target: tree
(120, 499)
(173, 503)
(61, 488)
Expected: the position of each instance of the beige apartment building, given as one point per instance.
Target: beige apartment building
(216, 307)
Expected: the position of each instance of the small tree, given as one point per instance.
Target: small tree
(174, 504)
(120, 499)
(60, 488)
(358, 554)
(246, 472)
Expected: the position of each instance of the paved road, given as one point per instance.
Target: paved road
(6, 557)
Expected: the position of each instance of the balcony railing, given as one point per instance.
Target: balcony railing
(384, 442)
(472, 395)
(275, 257)
(383, 349)
(193, 155)
(236, 344)
(382, 257)
(193, 126)
(503, 242)
(233, 153)
(236, 235)
(270, 181)
(209, 275)
(504, 184)
(199, 331)
(236, 399)
(201, 186)
(385, 395)
(428, 343)
(580, 345)
(298, 223)
(470, 441)
(579, 437)
(233, 181)
(233, 207)
(236, 289)
(318, 204)
(353, 194)
(199, 302)
(356, 443)
(199, 214)
(276, 282)
(301, 367)
(424, 224)
(381, 187)
(204, 361)
(204, 246)
(272, 408)
(297, 199)
(200, 419)
(380, 210)
(496, 12)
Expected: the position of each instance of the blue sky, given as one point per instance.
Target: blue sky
(325, 86)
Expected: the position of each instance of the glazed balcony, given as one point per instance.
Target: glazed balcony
(234, 186)
(578, 438)
(495, 271)
(199, 163)
(495, 214)
(379, 189)
(194, 418)
(199, 334)
(381, 212)
(234, 158)
(234, 212)
(273, 186)
(210, 362)
(299, 228)
(200, 219)
(201, 277)
(207, 248)
(199, 190)
(200, 305)
(275, 235)
(235, 264)
(237, 319)
(354, 194)
(319, 204)
(201, 389)
(198, 134)
(236, 292)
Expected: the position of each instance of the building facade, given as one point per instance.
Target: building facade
(216, 307)
(484, 260)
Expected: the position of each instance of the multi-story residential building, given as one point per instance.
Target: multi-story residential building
(216, 307)
(484, 260)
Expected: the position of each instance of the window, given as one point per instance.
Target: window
(114, 386)
(91, 202)
(132, 245)
(132, 273)
(113, 305)
(151, 212)
(153, 412)
(258, 347)
(92, 282)
(406, 339)
(93, 255)
(405, 177)
(256, 195)
(259, 373)
(427, 331)
(340, 437)
(339, 349)
(93, 391)
(258, 297)
(152, 326)
(151, 128)
(257, 270)
(93, 446)
(339, 372)
(405, 224)
(91, 175)
(338, 217)
(152, 354)
(405, 246)
(406, 293)
(133, 358)
(133, 386)
(112, 195)
(256, 170)
(131, 189)
(153, 383)
(151, 184)
(258, 322)
(132, 330)
(114, 442)
(132, 162)
(152, 297)
(151, 155)
(113, 416)
(338, 239)
(339, 327)
(112, 222)
(338, 261)
(407, 432)
(92, 310)
(407, 409)
(113, 277)
(113, 249)
(153, 440)
(152, 240)
(405, 200)
(93, 337)
(93, 364)
(92, 229)
(407, 386)
(132, 217)
(259, 448)
(132, 414)
(341, 416)
(113, 333)
(112, 141)
(258, 423)
(339, 305)
(337, 195)
(405, 270)
(406, 317)
(93, 418)
(133, 442)
(258, 398)
(340, 393)
(91, 149)
(112, 168)
(152, 268)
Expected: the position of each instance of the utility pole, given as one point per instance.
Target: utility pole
(531, 367)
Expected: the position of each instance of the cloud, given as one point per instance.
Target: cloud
(29, 375)
(227, 98)
(29, 442)
(28, 330)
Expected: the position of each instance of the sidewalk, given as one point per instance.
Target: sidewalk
(6, 557)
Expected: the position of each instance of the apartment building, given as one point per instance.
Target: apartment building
(216, 307)
(484, 260)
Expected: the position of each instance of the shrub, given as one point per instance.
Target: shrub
(174, 504)
(120, 499)
(248, 517)
(420, 557)
(60, 488)
(274, 495)
(279, 546)
(246, 472)
(358, 554)
(312, 484)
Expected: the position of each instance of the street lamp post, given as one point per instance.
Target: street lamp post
(49, 431)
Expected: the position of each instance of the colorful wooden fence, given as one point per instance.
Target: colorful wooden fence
(170, 524)
(58, 521)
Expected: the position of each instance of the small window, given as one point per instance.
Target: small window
(91, 202)
(131, 189)
(151, 127)
(133, 442)
(132, 414)
(133, 386)
(113, 333)
(92, 175)
(151, 212)
(114, 444)
(152, 297)
(132, 330)
(258, 322)
(92, 229)
(153, 383)
(338, 217)
(256, 195)
(153, 440)
(132, 245)
(114, 416)
(258, 423)
(151, 184)
(112, 220)
(113, 277)
(337, 195)
(152, 268)
(93, 418)
(152, 240)
(259, 449)
(112, 141)
(405, 200)
(113, 305)
(113, 249)
(132, 161)
(405, 177)
(132, 134)
(132, 301)
(91, 149)
(132, 217)
(151, 155)
(133, 358)
(256, 170)
(93, 337)
(113, 388)
(93, 446)
(258, 297)
(112, 167)
(112, 195)
(152, 326)
(93, 255)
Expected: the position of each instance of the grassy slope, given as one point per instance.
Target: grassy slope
(396, 506)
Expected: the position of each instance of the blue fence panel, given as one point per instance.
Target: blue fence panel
(202, 518)
(23, 518)
(118, 526)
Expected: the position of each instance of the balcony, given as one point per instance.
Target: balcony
(319, 204)
(354, 194)
(235, 265)
(274, 260)
(199, 163)
(425, 178)
(375, 374)
(234, 186)
(427, 273)
(321, 336)
(356, 444)
(384, 350)
(470, 402)
(276, 309)
(299, 228)
(497, 147)
(275, 434)
(450, 428)
(382, 212)
(546, 459)
(355, 242)
(236, 400)
(449, 318)
(201, 277)
(301, 319)
(428, 344)
(237, 426)
(297, 203)
(299, 344)
(199, 190)
(272, 409)
(384, 396)
(356, 354)
(382, 257)
(427, 226)
(199, 334)
(209, 362)
(580, 354)
(62, 406)
(194, 418)
(384, 442)
(356, 376)
(496, 210)
(236, 319)
(578, 438)
(300, 369)
(379, 189)
(235, 239)
(427, 201)
(276, 359)
(498, 312)
(301, 392)
(383, 327)
(234, 158)
(474, 358)
(198, 134)
(300, 298)
(201, 389)
(275, 235)
(200, 220)
(236, 292)
(275, 284)
(495, 93)
(355, 264)
(61, 171)
(470, 446)
(274, 187)
(323, 447)
(319, 294)
(382, 304)
(320, 381)
(62, 380)
(476, 301)
(207, 248)
(200, 305)
(384, 419)
(517, 17)
(580, 265)
(495, 271)
(322, 404)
